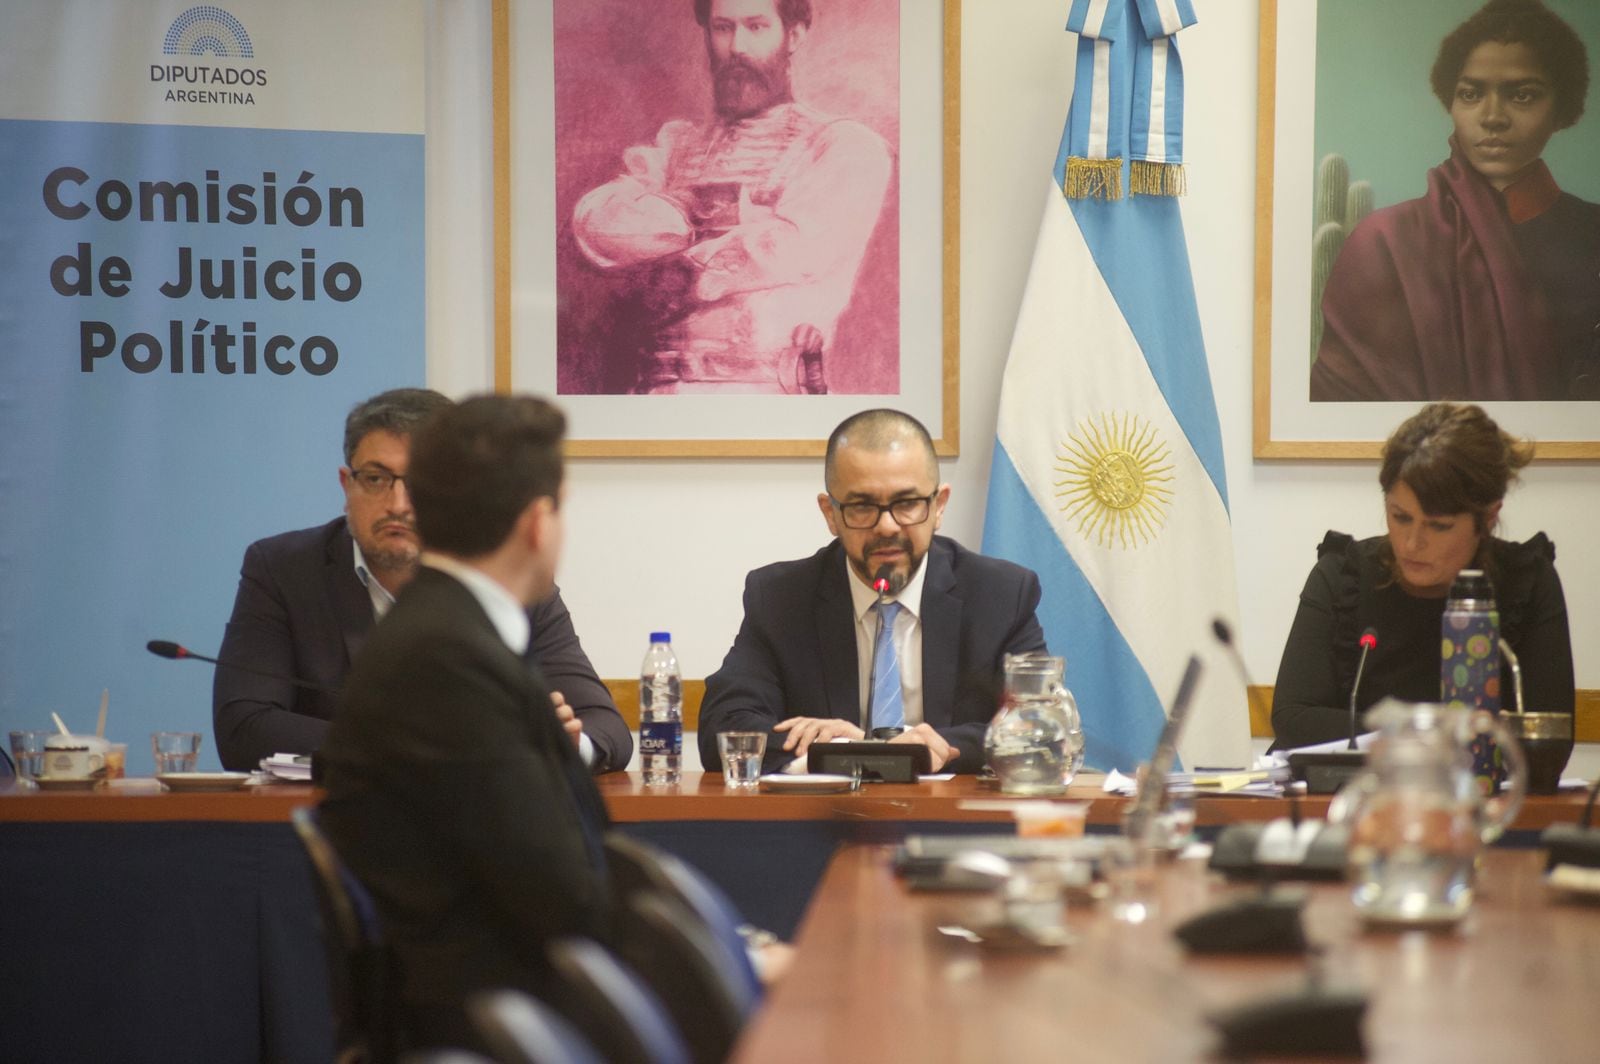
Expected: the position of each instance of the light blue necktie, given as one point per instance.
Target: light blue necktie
(888, 708)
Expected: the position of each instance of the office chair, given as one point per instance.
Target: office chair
(360, 971)
(524, 1030)
(637, 866)
(682, 962)
(622, 1017)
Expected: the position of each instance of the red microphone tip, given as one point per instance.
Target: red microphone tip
(880, 585)
(1369, 639)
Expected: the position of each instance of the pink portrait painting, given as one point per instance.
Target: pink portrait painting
(727, 207)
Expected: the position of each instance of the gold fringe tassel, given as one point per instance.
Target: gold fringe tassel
(1156, 179)
(1093, 178)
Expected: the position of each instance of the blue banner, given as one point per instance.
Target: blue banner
(187, 311)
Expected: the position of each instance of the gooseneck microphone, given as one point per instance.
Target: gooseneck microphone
(1152, 792)
(1369, 639)
(883, 583)
(165, 648)
(1224, 634)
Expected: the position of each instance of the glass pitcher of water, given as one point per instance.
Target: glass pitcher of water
(1417, 816)
(1035, 741)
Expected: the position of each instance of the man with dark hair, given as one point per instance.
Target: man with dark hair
(1485, 287)
(791, 12)
(739, 239)
(308, 598)
(453, 793)
(819, 645)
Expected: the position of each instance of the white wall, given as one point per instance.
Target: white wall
(626, 572)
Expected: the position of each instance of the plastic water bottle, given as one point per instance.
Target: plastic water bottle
(1469, 671)
(660, 712)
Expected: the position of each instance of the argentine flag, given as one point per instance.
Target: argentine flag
(1108, 478)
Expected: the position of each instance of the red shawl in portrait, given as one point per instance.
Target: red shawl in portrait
(1429, 298)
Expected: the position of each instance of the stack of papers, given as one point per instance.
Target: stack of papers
(1281, 757)
(296, 767)
(1262, 781)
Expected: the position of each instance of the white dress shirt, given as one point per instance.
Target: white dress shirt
(381, 599)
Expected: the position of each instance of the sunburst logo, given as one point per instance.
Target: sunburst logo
(1116, 480)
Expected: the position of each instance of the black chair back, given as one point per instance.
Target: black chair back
(636, 866)
(619, 1013)
(360, 966)
(524, 1030)
(680, 960)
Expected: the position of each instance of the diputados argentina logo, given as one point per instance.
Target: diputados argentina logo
(201, 31)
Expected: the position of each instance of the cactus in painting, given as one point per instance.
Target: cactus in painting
(1337, 205)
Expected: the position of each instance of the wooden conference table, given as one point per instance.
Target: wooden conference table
(873, 980)
(145, 925)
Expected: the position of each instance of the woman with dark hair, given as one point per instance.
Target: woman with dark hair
(1488, 286)
(1444, 476)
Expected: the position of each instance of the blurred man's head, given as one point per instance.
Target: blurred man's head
(377, 503)
(883, 498)
(486, 479)
(750, 43)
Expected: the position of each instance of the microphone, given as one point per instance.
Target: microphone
(886, 581)
(1369, 639)
(1224, 634)
(1326, 772)
(165, 648)
(1147, 801)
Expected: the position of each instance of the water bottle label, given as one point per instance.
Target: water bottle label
(661, 737)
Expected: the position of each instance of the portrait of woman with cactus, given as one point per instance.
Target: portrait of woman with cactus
(1487, 287)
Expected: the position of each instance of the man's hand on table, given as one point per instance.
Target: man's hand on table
(940, 752)
(803, 731)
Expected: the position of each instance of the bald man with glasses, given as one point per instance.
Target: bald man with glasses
(308, 598)
(823, 653)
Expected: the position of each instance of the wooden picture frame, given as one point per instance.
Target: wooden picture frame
(1287, 424)
(757, 425)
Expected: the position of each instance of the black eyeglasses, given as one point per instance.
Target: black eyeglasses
(375, 480)
(911, 511)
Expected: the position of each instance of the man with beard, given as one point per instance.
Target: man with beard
(307, 600)
(739, 239)
(802, 665)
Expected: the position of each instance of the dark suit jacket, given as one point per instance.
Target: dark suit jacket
(301, 611)
(463, 808)
(795, 654)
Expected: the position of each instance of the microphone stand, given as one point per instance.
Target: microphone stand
(1326, 772)
(162, 648)
(882, 584)
(1369, 639)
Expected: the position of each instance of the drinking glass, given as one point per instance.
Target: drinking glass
(27, 750)
(1129, 869)
(741, 758)
(175, 751)
(1174, 824)
(116, 761)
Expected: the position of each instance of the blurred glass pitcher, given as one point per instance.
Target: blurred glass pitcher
(1035, 741)
(1417, 816)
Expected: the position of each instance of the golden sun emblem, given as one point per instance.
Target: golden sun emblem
(1116, 480)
